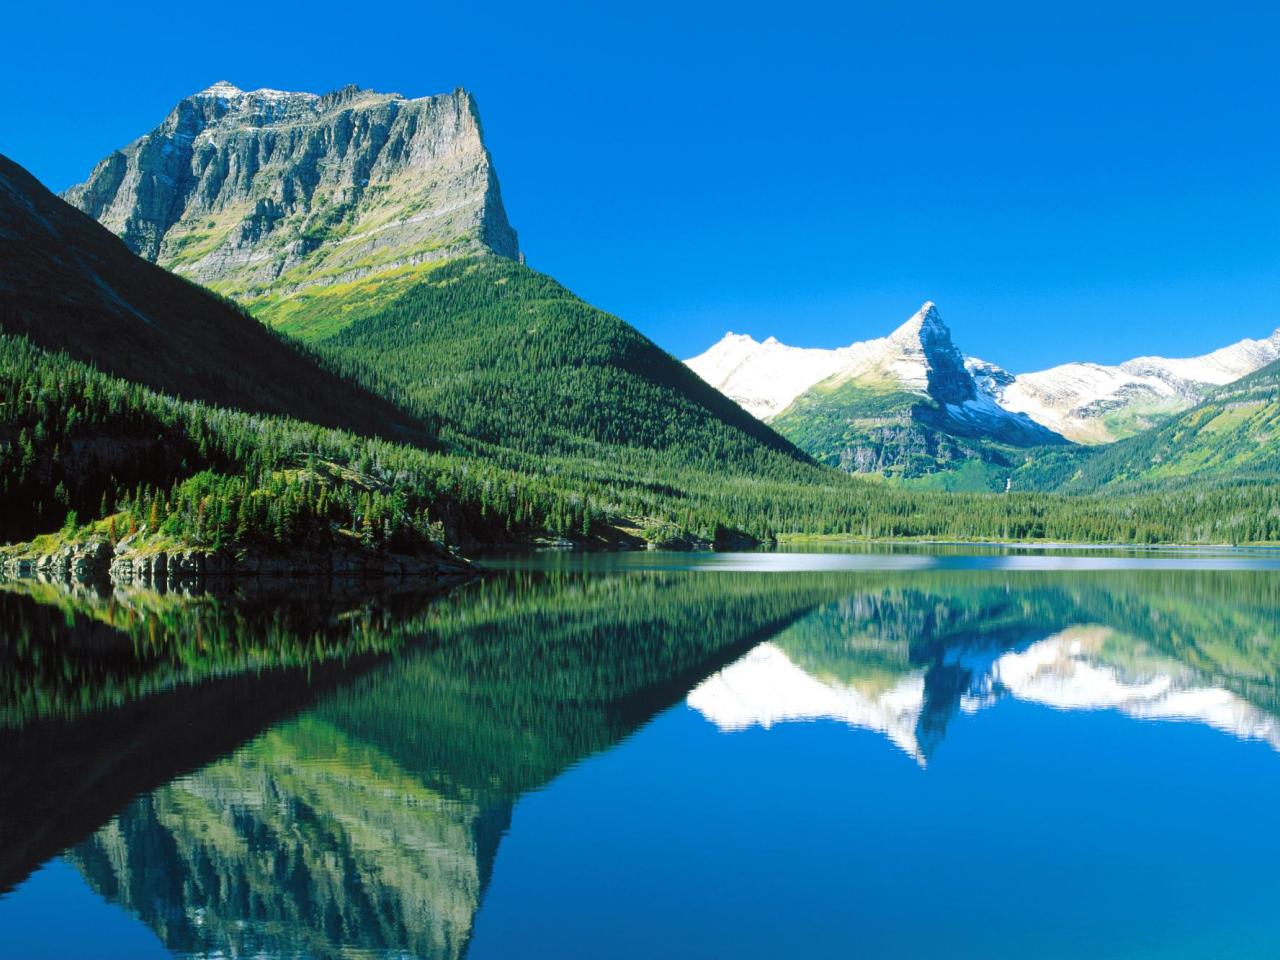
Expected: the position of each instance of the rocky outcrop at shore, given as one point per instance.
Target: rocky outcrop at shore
(96, 559)
(78, 561)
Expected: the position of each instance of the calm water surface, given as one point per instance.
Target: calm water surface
(932, 753)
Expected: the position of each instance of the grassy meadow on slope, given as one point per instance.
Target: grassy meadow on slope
(1233, 435)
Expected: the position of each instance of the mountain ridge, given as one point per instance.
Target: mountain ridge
(1074, 400)
(1093, 402)
(271, 192)
(1229, 436)
(905, 404)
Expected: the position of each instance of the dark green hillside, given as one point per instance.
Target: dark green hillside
(69, 284)
(74, 440)
(507, 356)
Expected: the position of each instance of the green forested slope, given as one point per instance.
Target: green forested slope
(506, 356)
(76, 439)
(1234, 436)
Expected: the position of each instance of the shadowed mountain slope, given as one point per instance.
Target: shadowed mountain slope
(68, 284)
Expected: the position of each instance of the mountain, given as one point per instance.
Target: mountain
(68, 284)
(1086, 403)
(1093, 403)
(902, 405)
(268, 193)
(911, 405)
(372, 228)
(1230, 436)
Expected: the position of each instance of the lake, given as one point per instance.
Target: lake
(950, 752)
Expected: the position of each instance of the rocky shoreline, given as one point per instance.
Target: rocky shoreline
(97, 560)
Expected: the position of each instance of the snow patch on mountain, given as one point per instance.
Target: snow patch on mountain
(763, 378)
(1094, 403)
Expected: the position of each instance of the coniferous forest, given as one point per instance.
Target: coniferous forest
(82, 447)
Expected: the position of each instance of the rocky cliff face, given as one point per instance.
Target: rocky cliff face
(69, 285)
(267, 192)
(922, 358)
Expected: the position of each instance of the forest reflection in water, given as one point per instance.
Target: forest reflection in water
(263, 776)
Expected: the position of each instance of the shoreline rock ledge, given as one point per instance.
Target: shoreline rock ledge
(95, 560)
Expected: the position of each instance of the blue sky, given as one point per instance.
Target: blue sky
(1067, 181)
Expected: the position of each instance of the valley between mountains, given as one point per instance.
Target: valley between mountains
(294, 332)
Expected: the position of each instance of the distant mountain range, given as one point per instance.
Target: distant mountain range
(904, 405)
(912, 403)
(1095, 403)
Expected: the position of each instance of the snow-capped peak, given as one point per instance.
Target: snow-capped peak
(1084, 402)
(917, 357)
(924, 322)
(221, 89)
(764, 378)
(1096, 403)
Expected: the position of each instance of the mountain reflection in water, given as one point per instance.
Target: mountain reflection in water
(1079, 668)
(337, 783)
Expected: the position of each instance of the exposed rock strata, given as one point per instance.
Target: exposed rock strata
(269, 192)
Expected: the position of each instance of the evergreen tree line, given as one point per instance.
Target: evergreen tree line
(74, 439)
